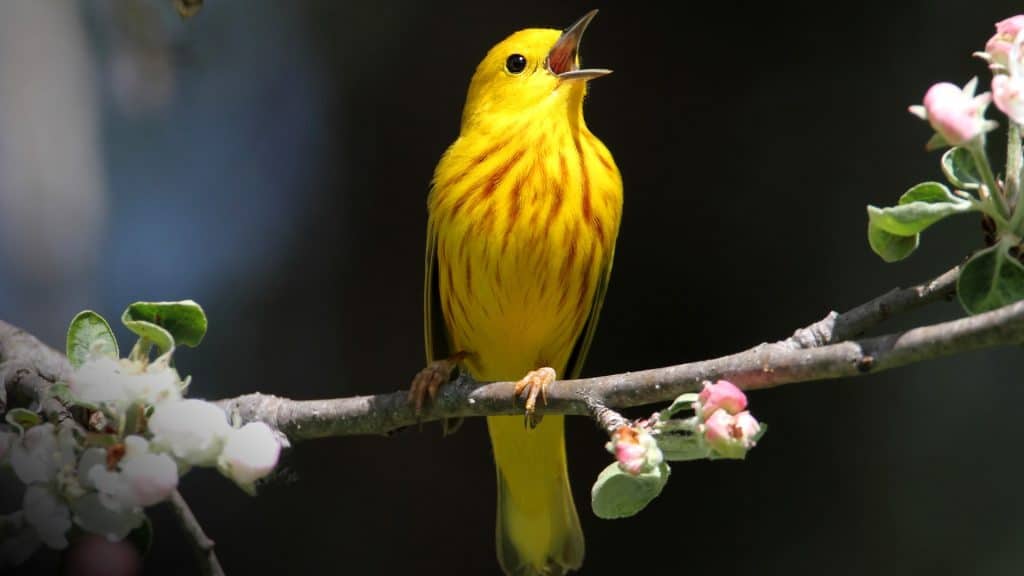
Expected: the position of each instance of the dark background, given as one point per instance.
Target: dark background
(271, 160)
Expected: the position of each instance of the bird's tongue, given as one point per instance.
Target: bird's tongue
(562, 57)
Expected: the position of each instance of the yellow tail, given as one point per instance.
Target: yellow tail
(538, 531)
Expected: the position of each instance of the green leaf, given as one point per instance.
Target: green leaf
(167, 324)
(919, 208)
(23, 419)
(618, 494)
(989, 280)
(960, 170)
(935, 142)
(149, 332)
(929, 192)
(891, 247)
(682, 447)
(682, 402)
(89, 334)
(61, 391)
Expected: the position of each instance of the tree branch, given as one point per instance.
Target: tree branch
(201, 543)
(27, 370)
(817, 352)
(609, 420)
(820, 351)
(854, 322)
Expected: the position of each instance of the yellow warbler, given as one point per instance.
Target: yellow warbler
(523, 216)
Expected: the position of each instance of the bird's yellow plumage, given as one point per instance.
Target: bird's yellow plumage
(523, 217)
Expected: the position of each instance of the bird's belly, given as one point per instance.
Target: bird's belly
(515, 297)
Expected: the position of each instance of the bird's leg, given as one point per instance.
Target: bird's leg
(535, 383)
(429, 380)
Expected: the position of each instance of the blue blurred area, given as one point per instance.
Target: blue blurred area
(211, 190)
(208, 186)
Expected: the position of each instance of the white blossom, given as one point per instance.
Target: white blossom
(44, 459)
(67, 446)
(98, 381)
(90, 458)
(157, 384)
(7, 440)
(193, 430)
(48, 515)
(36, 458)
(150, 478)
(250, 453)
(1008, 93)
(93, 516)
(104, 380)
(141, 478)
(135, 445)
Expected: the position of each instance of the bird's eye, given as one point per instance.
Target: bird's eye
(516, 63)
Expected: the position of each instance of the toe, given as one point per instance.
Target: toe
(521, 385)
(429, 380)
(434, 385)
(535, 384)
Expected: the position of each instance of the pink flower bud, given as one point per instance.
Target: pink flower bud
(998, 46)
(722, 394)
(955, 113)
(730, 436)
(630, 456)
(635, 449)
(748, 428)
(1008, 94)
(717, 428)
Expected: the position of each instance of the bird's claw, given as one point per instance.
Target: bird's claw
(430, 379)
(535, 384)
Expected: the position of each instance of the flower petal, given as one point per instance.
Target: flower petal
(250, 453)
(48, 515)
(193, 430)
(94, 516)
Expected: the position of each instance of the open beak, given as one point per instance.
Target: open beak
(563, 59)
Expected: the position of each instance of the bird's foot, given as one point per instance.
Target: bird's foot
(430, 379)
(535, 384)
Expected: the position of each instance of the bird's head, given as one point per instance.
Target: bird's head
(533, 70)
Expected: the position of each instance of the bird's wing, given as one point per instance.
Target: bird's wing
(579, 351)
(435, 334)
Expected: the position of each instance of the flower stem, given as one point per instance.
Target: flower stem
(208, 563)
(977, 150)
(1013, 168)
(140, 352)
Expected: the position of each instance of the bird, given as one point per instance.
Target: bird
(523, 215)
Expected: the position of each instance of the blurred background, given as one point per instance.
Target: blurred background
(271, 160)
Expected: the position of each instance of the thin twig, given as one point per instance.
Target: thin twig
(854, 322)
(609, 420)
(201, 543)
